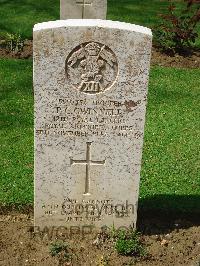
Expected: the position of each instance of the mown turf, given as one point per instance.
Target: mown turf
(16, 131)
(170, 162)
(170, 173)
(20, 15)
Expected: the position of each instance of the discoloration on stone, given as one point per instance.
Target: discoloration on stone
(131, 104)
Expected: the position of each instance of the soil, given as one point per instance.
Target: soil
(171, 242)
(25, 54)
(161, 59)
(158, 57)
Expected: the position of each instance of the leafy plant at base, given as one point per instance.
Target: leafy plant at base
(128, 243)
(177, 32)
(62, 250)
(12, 41)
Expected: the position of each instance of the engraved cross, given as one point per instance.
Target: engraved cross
(88, 163)
(83, 3)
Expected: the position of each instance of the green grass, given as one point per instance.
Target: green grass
(21, 15)
(143, 12)
(16, 131)
(171, 151)
(170, 161)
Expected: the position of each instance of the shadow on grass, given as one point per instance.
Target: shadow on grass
(164, 213)
(16, 208)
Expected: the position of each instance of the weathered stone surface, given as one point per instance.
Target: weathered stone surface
(90, 83)
(87, 9)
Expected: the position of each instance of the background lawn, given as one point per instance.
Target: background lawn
(20, 15)
(16, 134)
(170, 176)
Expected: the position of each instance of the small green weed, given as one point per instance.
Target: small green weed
(128, 243)
(61, 250)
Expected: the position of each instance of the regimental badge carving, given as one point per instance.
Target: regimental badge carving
(92, 67)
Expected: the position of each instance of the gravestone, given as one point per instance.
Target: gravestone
(90, 84)
(79, 9)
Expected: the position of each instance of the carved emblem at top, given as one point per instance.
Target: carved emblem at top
(92, 67)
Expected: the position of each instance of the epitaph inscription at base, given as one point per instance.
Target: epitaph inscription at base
(90, 84)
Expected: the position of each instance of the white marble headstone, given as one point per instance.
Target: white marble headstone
(90, 83)
(79, 9)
